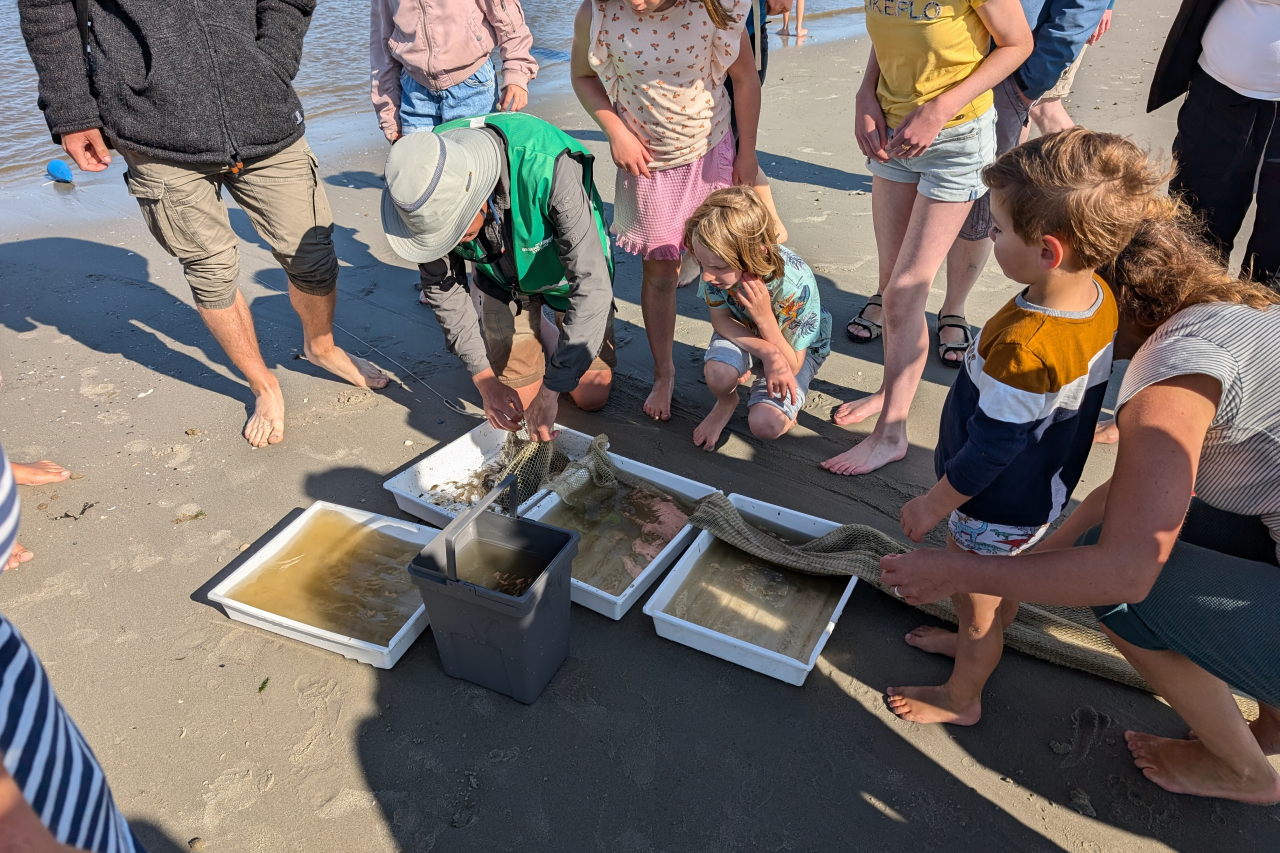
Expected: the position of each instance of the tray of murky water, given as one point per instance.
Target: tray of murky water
(627, 545)
(727, 603)
(335, 578)
(453, 476)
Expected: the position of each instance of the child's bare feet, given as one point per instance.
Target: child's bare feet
(707, 434)
(658, 404)
(857, 411)
(1106, 432)
(18, 556)
(38, 473)
(932, 705)
(868, 455)
(266, 424)
(1186, 767)
(932, 639)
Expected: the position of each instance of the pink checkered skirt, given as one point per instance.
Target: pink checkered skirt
(649, 213)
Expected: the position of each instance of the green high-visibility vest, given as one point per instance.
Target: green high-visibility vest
(533, 148)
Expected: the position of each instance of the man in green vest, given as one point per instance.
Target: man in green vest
(513, 195)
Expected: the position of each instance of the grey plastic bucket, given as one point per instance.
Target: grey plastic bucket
(511, 644)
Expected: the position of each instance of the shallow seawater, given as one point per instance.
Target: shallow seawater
(339, 575)
(620, 540)
(733, 593)
(498, 567)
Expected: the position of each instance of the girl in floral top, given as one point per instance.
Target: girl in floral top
(652, 74)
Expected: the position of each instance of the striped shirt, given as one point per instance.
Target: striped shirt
(41, 747)
(1240, 347)
(1018, 422)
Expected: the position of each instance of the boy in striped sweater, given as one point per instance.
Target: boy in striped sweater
(1019, 420)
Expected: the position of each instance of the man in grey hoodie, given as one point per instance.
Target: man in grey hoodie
(198, 98)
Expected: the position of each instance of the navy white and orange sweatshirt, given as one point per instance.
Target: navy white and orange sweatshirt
(1019, 420)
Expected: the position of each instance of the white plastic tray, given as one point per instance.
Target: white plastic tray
(616, 606)
(766, 661)
(383, 657)
(455, 461)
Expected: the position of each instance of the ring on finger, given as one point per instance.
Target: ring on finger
(897, 592)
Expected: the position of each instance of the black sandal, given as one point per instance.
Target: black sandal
(871, 327)
(953, 321)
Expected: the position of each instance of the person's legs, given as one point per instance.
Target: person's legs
(942, 641)
(965, 262)
(1050, 116)
(183, 209)
(979, 645)
(768, 422)
(1217, 150)
(722, 381)
(285, 202)
(931, 230)
(658, 308)
(1262, 256)
(891, 206)
(1226, 760)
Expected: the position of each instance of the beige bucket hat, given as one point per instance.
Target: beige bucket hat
(436, 184)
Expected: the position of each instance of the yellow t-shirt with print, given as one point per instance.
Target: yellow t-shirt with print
(924, 48)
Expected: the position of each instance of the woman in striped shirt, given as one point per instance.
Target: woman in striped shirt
(1200, 576)
(53, 794)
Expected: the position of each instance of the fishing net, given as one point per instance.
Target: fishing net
(1061, 635)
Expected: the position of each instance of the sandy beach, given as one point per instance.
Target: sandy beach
(212, 730)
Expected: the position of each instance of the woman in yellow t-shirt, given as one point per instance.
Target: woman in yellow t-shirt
(924, 120)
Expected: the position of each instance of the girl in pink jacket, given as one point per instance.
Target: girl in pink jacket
(431, 61)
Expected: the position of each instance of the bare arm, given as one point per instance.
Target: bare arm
(384, 70)
(20, 828)
(868, 116)
(629, 152)
(1007, 24)
(777, 358)
(1147, 500)
(746, 110)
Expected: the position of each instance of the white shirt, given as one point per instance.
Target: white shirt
(1241, 47)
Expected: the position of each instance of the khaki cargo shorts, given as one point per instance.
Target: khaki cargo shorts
(513, 341)
(282, 196)
(1063, 87)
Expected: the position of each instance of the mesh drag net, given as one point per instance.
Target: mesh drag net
(585, 477)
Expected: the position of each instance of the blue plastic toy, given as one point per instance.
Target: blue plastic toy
(59, 171)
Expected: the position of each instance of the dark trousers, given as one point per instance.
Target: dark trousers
(1228, 152)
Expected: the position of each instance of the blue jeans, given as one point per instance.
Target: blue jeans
(422, 108)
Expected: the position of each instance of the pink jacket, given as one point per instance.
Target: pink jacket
(441, 43)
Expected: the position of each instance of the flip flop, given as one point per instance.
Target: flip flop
(871, 327)
(953, 321)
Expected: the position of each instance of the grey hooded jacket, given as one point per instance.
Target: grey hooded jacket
(180, 80)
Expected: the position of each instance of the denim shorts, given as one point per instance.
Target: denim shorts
(951, 168)
(422, 108)
(727, 352)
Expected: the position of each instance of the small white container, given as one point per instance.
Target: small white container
(785, 522)
(382, 657)
(616, 606)
(457, 461)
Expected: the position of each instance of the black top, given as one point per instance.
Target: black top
(1178, 60)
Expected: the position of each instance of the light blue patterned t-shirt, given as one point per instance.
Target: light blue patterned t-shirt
(796, 304)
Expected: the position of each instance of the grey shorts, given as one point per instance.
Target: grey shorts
(282, 196)
(951, 168)
(1012, 115)
(727, 352)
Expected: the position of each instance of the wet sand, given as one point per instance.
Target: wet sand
(638, 743)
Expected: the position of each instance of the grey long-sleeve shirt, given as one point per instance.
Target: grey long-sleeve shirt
(586, 269)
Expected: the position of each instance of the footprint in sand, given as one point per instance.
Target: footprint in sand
(1088, 724)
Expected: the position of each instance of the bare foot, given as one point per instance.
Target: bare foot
(1106, 433)
(1186, 767)
(932, 639)
(38, 473)
(931, 705)
(707, 434)
(18, 556)
(871, 453)
(357, 371)
(803, 31)
(658, 404)
(266, 424)
(857, 411)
